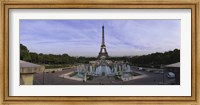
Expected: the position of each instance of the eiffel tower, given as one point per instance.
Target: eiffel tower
(103, 53)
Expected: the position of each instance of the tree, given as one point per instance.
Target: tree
(24, 53)
(156, 59)
(34, 57)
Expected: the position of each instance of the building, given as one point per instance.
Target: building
(175, 68)
(27, 70)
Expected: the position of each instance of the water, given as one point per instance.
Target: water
(106, 69)
(103, 70)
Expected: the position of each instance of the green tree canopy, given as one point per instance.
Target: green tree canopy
(24, 53)
(154, 59)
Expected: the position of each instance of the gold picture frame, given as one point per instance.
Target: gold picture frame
(91, 100)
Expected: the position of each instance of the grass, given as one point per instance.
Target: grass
(89, 77)
(73, 74)
(116, 77)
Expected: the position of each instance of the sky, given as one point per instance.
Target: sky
(83, 37)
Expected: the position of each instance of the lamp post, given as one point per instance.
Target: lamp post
(43, 76)
(163, 76)
(163, 72)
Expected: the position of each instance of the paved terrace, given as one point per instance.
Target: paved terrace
(54, 79)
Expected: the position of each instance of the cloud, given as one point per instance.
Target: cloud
(83, 37)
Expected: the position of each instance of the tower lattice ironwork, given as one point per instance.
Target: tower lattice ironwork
(103, 53)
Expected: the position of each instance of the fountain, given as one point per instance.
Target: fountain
(106, 69)
(102, 66)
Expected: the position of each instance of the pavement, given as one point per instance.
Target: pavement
(150, 78)
(66, 76)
